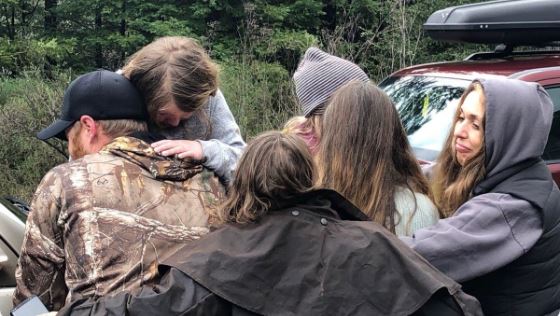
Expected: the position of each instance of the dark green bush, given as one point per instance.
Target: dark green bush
(42, 54)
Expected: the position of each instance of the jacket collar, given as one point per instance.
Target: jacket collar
(142, 154)
(327, 202)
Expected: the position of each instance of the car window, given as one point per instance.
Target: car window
(426, 106)
(552, 150)
(17, 207)
(7, 269)
(12, 226)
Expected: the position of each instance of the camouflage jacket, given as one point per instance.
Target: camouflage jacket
(100, 224)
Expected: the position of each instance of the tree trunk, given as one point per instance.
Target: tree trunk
(98, 48)
(12, 30)
(22, 21)
(329, 20)
(123, 18)
(50, 17)
(123, 28)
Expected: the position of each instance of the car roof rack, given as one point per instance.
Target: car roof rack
(514, 22)
(507, 50)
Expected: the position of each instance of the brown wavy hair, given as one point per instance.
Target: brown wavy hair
(274, 167)
(452, 183)
(364, 153)
(173, 68)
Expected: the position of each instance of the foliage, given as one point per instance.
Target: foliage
(19, 54)
(46, 43)
(380, 35)
(27, 104)
(259, 95)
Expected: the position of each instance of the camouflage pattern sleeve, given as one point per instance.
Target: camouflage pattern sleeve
(40, 270)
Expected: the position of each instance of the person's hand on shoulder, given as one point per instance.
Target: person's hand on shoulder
(179, 147)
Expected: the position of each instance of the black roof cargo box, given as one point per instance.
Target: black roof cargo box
(516, 22)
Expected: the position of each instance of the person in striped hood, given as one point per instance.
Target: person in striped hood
(317, 77)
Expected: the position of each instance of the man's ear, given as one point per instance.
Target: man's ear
(89, 126)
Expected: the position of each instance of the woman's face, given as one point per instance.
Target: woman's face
(170, 115)
(468, 134)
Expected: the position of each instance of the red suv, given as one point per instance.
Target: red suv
(427, 95)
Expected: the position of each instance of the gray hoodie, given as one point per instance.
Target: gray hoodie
(222, 144)
(493, 229)
(218, 134)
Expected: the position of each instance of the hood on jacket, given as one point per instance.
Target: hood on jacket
(143, 155)
(518, 120)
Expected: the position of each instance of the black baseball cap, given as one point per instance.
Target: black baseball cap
(101, 94)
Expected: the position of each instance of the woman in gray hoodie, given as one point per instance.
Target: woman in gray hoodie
(502, 237)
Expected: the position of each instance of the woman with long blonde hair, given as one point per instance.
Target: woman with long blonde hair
(501, 239)
(364, 155)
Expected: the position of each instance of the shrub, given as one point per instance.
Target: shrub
(28, 104)
(23, 54)
(260, 95)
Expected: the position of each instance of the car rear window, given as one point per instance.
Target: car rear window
(426, 105)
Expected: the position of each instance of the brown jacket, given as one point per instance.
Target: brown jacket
(101, 224)
(315, 255)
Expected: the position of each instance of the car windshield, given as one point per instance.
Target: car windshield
(426, 105)
(9, 204)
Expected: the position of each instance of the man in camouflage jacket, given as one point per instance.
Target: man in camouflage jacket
(102, 223)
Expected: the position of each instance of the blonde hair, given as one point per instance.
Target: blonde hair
(452, 183)
(294, 125)
(364, 152)
(173, 68)
(275, 167)
(307, 128)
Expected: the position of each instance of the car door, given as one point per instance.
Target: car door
(7, 279)
(12, 229)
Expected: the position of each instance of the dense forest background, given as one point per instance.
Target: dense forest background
(44, 44)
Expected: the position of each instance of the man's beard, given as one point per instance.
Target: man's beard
(78, 150)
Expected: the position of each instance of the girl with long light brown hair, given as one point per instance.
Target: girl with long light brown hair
(364, 155)
(179, 84)
(501, 238)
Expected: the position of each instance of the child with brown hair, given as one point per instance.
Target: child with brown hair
(179, 83)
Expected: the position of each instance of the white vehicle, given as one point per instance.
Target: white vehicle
(12, 228)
